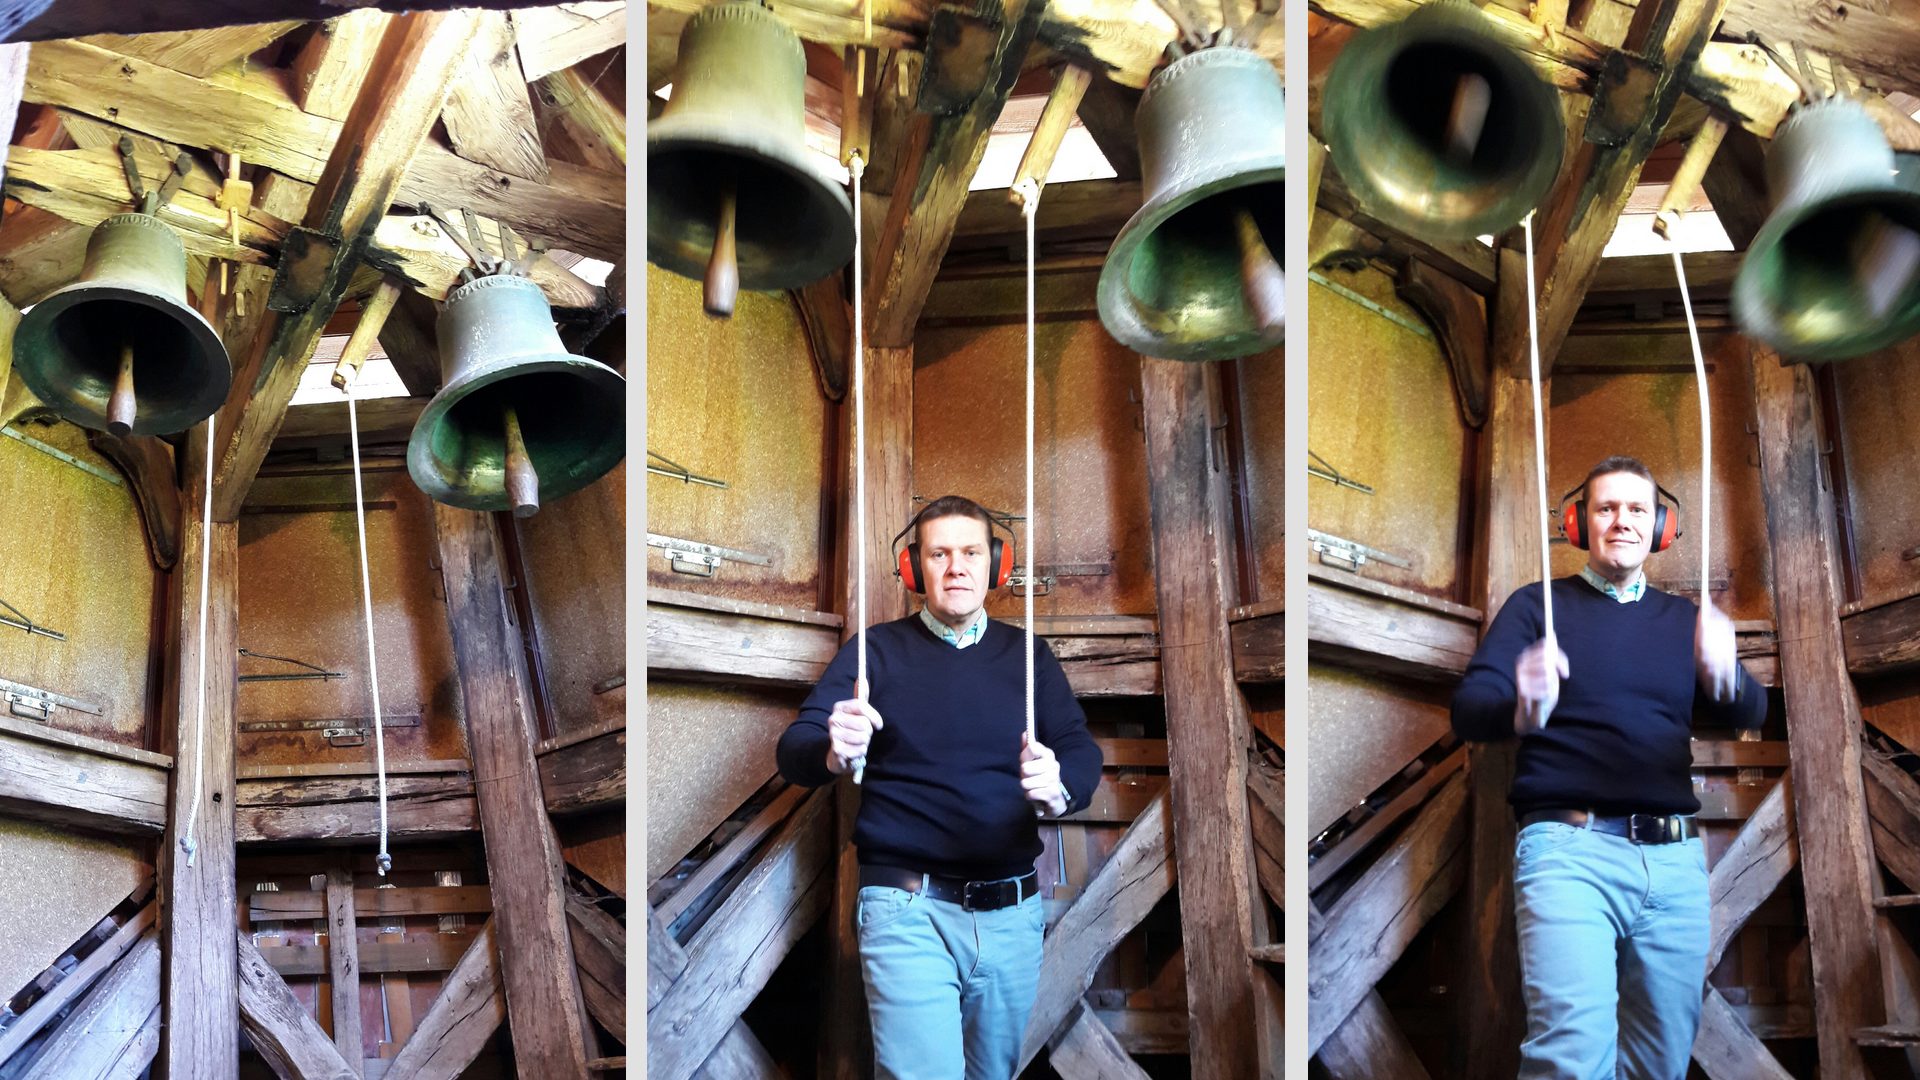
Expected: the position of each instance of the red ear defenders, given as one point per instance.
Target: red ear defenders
(999, 557)
(1666, 519)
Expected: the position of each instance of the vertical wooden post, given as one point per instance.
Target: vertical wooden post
(847, 1050)
(198, 902)
(1823, 717)
(343, 966)
(523, 854)
(1207, 727)
(1493, 1016)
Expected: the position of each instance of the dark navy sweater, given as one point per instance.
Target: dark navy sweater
(941, 793)
(1618, 741)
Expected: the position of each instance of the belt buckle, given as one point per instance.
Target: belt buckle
(966, 895)
(1660, 828)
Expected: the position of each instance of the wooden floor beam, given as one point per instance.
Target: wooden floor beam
(471, 1007)
(279, 1026)
(115, 1029)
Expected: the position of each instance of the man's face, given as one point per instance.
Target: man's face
(953, 563)
(1620, 509)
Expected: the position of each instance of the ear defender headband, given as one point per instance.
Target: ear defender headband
(1666, 520)
(999, 555)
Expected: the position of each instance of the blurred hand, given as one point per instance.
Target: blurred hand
(1716, 655)
(850, 729)
(1040, 778)
(1536, 682)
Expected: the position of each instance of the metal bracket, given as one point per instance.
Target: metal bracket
(700, 560)
(1020, 584)
(1620, 96)
(150, 202)
(1338, 551)
(679, 472)
(33, 703)
(1327, 472)
(1047, 576)
(305, 257)
(313, 671)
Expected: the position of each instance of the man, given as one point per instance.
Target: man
(1610, 879)
(949, 917)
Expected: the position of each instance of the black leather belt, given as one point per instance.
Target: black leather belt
(971, 895)
(1639, 828)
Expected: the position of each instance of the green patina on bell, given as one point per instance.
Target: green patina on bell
(1832, 273)
(506, 378)
(131, 295)
(735, 123)
(1212, 131)
(1438, 128)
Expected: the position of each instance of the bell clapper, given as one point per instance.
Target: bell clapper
(723, 267)
(523, 483)
(122, 406)
(1467, 119)
(1885, 256)
(1260, 275)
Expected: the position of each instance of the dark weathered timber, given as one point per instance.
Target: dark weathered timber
(375, 903)
(1367, 630)
(399, 100)
(1760, 858)
(686, 642)
(1883, 640)
(343, 966)
(198, 901)
(600, 948)
(1365, 933)
(733, 955)
(739, 1053)
(587, 775)
(1208, 734)
(438, 953)
(1368, 1045)
(278, 1026)
(1459, 319)
(1823, 710)
(523, 854)
(471, 1007)
(1085, 1049)
(1260, 648)
(1893, 806)
(1123, 891)
(342, 810)
(54, 1002)
(78, 782)
(147, 464)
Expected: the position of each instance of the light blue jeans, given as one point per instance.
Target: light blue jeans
(948, 990)
(1613, 953)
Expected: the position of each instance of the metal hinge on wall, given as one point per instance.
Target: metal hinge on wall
(37, 705)
(700, 560)
(1338, 551)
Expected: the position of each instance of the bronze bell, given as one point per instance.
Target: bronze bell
(734, 197)
(1832, 273)
(121, 349)
(1193, 275)
(518, 419)
(1438, 128)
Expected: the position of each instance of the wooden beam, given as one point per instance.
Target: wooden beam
(1085, 1049)
(198, 900)
(471, 1007)
(489, 116)
(1878, 41)
(1368, 626)
(54, 1003)
(930, 188)
(1260, 648)
(523, 854)
(1883, 640)
(1123, 891)
(600, 948)
(43, 252)
(1365, 933)
(1893, 806)
(586, 775)
(376, 903)
(408, 338)
(737, 950)
(79, 781)
(278, 1026)
(346, 810)
(1736, 184)
(328, 70)
(1368, 1045)
(558, 37)
(382, 420)
(686, 642)
(739, 1053)
(1823, 710)
(1208, 734)
(343, 966)
(199, 53)
(115, 1029)
(398, 102)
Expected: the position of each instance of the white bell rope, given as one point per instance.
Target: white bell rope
(383, 862)
(188, 842)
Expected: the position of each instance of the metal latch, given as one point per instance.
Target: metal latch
(33, 703)
(1046, 576)
(1346, 554)
(700, 560)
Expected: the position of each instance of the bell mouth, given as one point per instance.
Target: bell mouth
(572, 414)
(71, 346)
(1838, 281)
(792, 226)
(1440, 130)
(1180, 282)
